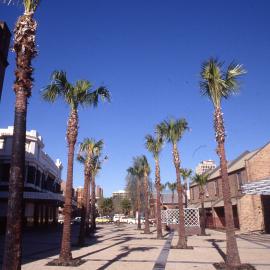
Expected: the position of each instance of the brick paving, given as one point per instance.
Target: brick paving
(126, 248)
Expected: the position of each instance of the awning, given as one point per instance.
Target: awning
(261, 187)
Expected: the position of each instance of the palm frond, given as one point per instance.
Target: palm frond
(217, 84)
(29, 5)
(200, 179)
(92, 98)
(153, 145)
(173, 129)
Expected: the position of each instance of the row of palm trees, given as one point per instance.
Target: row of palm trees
(217, 84)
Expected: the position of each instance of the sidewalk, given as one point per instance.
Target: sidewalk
(128, 249)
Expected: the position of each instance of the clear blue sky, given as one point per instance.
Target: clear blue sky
(148, 53)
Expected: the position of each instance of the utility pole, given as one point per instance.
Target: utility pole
(4, 47)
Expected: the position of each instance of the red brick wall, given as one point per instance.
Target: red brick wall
(259, 165)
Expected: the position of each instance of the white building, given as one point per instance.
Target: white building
(42, 186)
(121, 194)
(205, 166)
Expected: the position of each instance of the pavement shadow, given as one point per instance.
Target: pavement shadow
(125, 252)
(217, 247)
(124, 240)
(44, 243)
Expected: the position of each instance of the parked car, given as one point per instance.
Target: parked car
(135, 220)
(118, 217)
(103, 220)
(61, 219)
(77, 220)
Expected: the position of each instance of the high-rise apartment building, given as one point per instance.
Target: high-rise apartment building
(204, 166)
(99, 192)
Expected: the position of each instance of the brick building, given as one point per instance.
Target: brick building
(251, 211)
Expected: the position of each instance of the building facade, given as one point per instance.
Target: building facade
(99, 192)
(204, 166)
(79, 196)
(251, 211)
(42, 186)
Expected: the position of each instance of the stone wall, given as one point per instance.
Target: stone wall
(250, 213)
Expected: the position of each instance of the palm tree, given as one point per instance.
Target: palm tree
(25, 49)
(172, 187)
(173, 131)
(135, 175)
(186, 173)
(162, 188)
(95, 168)
(144, 169)
(218, 84)
(154, 145)
(89, 149)
(201, 180)
(76, 95)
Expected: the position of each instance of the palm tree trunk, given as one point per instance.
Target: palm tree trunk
(93, 205)
(25, 48)
(83, 224)
(182, 242)
(203, 216)
(173, 197)
(13, 238)
(158, 210)
(72, 132)
(185, 190)
(87, 225)
(146, 205)
(232, 258)
(139, 226)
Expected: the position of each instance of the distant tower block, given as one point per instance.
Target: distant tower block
(4, 46)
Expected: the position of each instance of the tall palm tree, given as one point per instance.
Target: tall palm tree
(144, 169)
(162, 188)
(95, 168)
(201, 180)
(172, 187)
(218, 84)
(136, 176)
(173, 131)
(89, 149)
(186, 173)
(25, 49)
(154, 145)
(75, 95)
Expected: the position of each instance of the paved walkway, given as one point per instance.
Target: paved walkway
(126, 248)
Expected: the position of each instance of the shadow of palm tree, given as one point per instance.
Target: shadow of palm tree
(125, 252)
(217, 247)
(124, 240)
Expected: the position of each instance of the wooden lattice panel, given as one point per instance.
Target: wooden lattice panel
(171, 216)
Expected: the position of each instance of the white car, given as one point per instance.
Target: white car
(135, 220)
(118, 217)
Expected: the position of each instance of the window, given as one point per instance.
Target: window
(4, 172)
(239, 180)
(216, 188)
(192, 193)
(38, 178)
(31, 174)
